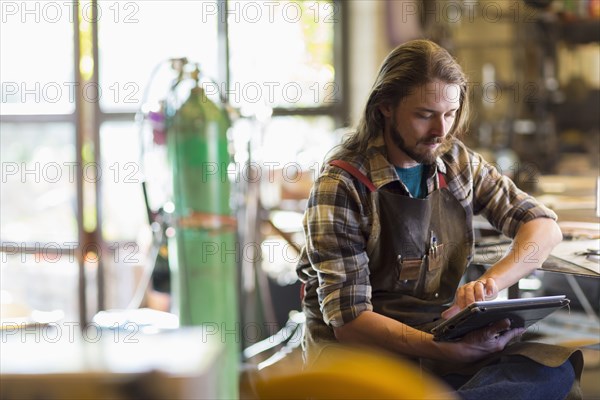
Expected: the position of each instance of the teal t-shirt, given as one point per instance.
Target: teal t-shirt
(413, 179)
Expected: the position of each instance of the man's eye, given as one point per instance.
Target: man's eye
(451, 116)
(424, 116)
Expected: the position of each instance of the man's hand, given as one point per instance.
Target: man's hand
(482, 289)
(480, 343)
(371, 328)
(531, 246)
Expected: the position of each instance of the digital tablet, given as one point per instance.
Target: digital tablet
(522, 314)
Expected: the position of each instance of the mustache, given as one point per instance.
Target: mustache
(432, 140)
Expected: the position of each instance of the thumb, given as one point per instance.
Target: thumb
(453, 310)
(491, 289)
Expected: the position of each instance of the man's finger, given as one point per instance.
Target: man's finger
(500, 326)
(509, 335)
(493, 332)
(480, 289)
(491, 290)
(470, 293)
(453, 310)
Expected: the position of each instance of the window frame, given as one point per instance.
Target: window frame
(88, 117)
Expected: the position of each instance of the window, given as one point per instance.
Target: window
(282, 56)
(39, 227)
(71, 172)
(285, 69)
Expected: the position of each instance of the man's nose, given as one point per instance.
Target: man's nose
(440, 127)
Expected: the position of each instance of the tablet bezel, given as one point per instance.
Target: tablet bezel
(521, 312)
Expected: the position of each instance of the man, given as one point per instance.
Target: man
(389, 235)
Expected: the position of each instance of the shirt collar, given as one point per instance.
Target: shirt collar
(382, 171)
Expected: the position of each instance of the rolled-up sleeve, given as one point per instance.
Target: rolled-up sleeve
(504, 205)
(336, 248)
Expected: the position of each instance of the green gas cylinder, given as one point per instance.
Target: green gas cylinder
(202, 252)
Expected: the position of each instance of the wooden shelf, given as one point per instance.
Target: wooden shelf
(573, 31)
(580, 31)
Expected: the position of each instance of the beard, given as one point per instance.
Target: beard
(427, 156)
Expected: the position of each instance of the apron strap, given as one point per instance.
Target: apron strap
(349, 168)
(441, 181)
(355, 173)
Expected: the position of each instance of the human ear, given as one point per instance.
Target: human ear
(386, 110)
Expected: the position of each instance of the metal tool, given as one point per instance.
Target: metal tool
(433, 244)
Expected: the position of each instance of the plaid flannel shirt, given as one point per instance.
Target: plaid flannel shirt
(337, 221)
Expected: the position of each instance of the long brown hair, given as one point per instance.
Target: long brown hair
(408, 66)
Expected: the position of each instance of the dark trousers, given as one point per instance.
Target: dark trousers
(515, 378)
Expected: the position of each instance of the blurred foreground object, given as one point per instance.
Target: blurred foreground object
(60, 361)
(349, 373)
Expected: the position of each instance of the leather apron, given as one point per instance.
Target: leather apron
(418, 251)
(419, 257)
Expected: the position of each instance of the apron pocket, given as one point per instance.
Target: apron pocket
(410, 271)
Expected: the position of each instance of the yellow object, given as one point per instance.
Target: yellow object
(348, 373)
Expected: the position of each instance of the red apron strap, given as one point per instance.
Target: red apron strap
(355, 173)
(441, 181)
